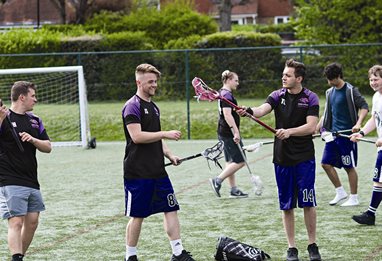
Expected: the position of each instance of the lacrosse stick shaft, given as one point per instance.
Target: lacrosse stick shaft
(184, 159)
(242, 154)
(334, 132)
(360, 139)
(14, 134)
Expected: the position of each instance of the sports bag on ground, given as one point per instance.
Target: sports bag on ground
(228, 249)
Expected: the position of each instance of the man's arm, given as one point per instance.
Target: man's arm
(362, 115)
(41, 145)
(308, 128)
(139, 136)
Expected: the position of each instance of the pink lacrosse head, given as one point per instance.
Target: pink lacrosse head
(203, 92)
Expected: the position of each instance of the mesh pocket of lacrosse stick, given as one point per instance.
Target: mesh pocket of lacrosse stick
(202, 91)
(214, 153)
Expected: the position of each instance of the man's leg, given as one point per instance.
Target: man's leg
(310, 218)
(28, 229)
(133, 230)
(15, 244)
(333, 177)
(353, 183)
(288, 222)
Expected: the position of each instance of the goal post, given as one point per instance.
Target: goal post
(62, 101)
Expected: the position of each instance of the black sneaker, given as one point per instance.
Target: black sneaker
(364, 219)
(185, 256)
(238, 194)
(215, 186)
(292, 254)
(314, 255)
(132, 258)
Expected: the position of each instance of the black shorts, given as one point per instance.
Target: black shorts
(231, 150)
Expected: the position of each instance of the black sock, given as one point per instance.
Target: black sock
(17, 257)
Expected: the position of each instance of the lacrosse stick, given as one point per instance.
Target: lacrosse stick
(13, 131)
(328, 136)
(255, 179)
(203, 92)
(212, 154)
(360, 139)
(256, 146)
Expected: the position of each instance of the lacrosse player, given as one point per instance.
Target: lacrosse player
(345, 108)
(296, 112)
(148, 189)
(375, 122)
(229, 133)
(20, 197)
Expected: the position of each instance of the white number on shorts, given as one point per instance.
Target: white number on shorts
(346, 160)
(308, 196)
(171, 199)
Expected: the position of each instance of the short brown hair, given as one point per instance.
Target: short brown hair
(376, 70)
(21, 88)
(147, 68)
(299, 68)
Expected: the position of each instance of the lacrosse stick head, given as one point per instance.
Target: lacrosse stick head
(258, 186)
(202, 91)
(327, 136)
(214, 153)
(253, 147)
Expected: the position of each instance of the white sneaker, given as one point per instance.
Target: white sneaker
(352, 201)
(338, 198)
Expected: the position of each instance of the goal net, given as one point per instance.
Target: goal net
(62, 101)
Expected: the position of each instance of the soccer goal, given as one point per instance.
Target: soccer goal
(62, 101)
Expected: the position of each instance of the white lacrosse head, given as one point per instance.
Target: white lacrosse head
(253, 147)
(327, 136)
(257, 185)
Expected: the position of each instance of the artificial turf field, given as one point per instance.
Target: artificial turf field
(83, 193)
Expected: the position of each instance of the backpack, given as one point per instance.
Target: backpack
(228, 249)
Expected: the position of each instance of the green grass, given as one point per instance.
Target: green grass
(83, 192)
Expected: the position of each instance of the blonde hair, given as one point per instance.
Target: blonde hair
(376, 70)
(227, 75)
(146, 68)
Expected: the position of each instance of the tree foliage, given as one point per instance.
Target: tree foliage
(339, 21)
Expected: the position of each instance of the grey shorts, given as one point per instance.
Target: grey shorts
(19, 200)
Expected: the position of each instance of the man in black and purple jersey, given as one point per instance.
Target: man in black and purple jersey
(148, 189)
(296, 111)
(20, 198)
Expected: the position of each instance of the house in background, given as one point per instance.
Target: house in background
(255, 12)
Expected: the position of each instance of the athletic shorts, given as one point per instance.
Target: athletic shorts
(19, 200)
(145, 197)
(378, 166)
(296, 184)
(340, 153)
(231, 150)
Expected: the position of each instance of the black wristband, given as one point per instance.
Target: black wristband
(362, 133)
(249, 110)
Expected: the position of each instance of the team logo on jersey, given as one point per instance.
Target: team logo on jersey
(146, 111)
(283, 101)
(14, 124)
(34, 123)
(303, 102)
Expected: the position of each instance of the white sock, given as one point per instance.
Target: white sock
(340, 190)
(176, 246)
(353, 196)
(130, 251)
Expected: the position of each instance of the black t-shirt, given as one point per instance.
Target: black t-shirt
(16, 167)
(142, 160)
(223, 129)
(291, 111)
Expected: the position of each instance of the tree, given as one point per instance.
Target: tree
(341, 21)
(225, 9)
(60, 5)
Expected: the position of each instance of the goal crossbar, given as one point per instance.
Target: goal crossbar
(84, 118)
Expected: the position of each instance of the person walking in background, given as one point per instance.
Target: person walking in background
(148, 189)
(20, 197)
(375, 122)
(345, 109)
(229, 133)
(296, 112)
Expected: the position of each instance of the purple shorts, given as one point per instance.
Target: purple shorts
(340, 153)
(296, 185)
(144, 197)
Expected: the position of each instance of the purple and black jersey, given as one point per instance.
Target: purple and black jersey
(223, 129)
(16, 167)
(142, 160)
(291, 111)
